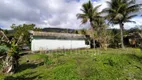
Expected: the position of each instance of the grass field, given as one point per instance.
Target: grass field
(113, 64)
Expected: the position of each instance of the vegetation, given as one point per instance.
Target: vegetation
(25, 28)
(86, 64)
(120, 12)
(10, 55)
(81, 64)
(102, 35)
(89, 14)
(3, 50)
(114, 42)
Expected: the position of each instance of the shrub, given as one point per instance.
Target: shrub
(45, 59)
(140, 46)
(3, 50)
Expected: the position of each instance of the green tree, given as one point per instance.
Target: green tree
(89, 14)
(10, 61)
(132, 30)
(83, 31)
(102, 35)
(120, 12)
(25, 30)
(114, 42)
(76, 32)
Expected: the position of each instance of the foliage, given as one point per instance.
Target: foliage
(111, 64)
(10, 64)
(25, 30)
(102, 35)
(140, 45)
(120, 12)
(114, 42)
(140, 41)
(3, 50)
(90, 14)
(45, 59)
(76, 32)
(83, 31)
(115, 34)
(132, 30)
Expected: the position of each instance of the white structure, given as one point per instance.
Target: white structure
(53, 41)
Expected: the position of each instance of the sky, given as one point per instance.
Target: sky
(49, 13)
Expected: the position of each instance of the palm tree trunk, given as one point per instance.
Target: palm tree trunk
(122, 39)
(94, 43)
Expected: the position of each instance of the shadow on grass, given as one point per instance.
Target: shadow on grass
(26, 76)
(136, 57)
(25, 66)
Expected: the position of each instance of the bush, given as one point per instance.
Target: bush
(45, 59)
(3, 50)
(141, 46)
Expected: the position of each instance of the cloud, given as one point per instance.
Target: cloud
(44, 13)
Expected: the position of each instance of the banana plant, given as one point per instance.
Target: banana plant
(11, 63)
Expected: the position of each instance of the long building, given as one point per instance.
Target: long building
(53, 41)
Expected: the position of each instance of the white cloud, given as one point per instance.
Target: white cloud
(44, 13)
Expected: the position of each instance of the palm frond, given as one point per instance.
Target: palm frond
(130, 21)
(134, 8)
(80, 16)
(84, 20)
(96, 8)
(131, 2)
(122, 10)
(119, 16)
(131, 16)
(90, 13)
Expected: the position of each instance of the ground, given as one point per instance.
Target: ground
(90, 64)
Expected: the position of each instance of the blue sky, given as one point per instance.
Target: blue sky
(48, 13)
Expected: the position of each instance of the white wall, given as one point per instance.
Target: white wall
(51, 44)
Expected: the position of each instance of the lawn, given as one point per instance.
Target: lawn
(113, 64)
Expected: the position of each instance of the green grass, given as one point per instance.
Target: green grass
(111, 64)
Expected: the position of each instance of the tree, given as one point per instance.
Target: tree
(83, 31)
(89, 14)
(120, 12)
(115, 40)
(25, 30)
(10, 62)
(132, 30)
(102, 35)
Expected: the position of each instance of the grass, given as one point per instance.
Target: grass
(113, 64)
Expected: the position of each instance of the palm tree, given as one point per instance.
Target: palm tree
(89, 14)
(101, 34)
(120, 12)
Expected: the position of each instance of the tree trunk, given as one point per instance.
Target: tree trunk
(10, 65)
(94, 43)
(122, 39)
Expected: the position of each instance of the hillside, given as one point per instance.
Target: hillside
(113, 64)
